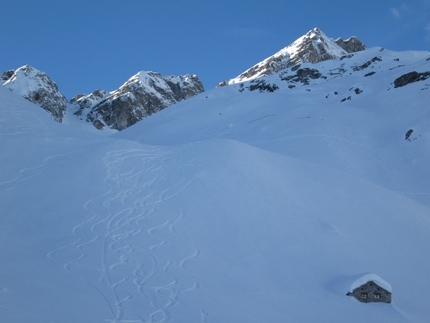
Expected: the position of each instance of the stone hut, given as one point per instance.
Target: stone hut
(371, 288)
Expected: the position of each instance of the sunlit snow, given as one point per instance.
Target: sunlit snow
(228, 207)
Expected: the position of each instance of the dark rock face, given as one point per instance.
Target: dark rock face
(37, 87)
(7, 75)
(262, 86)
(302, 75)
(52, 101)
(351, 45)
(142, 95)
(410, 77)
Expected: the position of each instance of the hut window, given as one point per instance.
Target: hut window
(378, 296)
(363, 295)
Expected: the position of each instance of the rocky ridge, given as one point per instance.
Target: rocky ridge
(142, 95)
(149, 92)
(311, 60)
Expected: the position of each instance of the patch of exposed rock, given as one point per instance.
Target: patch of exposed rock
(410, 77)
(303, 75)
(7, 75)
(367, 64)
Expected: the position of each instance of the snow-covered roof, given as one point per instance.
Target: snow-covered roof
(371, 277)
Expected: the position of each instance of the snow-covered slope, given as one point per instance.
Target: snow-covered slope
(312, 47)
(263, 201)
(342, 107)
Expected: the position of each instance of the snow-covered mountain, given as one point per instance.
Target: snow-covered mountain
(148, 92)
(37, 87)
(263, 201)
(312, 47)
(142, 95)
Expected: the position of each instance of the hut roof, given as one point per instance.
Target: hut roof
(371, 277)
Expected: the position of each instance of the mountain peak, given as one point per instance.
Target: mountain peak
(37, 87)
(313, 47)
(315, 32)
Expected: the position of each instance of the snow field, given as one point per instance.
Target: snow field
(228, 207)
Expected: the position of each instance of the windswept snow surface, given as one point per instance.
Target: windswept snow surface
(228, 207)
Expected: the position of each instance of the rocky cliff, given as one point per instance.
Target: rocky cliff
(351, 45)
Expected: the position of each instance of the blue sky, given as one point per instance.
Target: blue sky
(96, 44)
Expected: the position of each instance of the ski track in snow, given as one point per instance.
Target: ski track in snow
(22, 176)
(127, 249)
(27, 173)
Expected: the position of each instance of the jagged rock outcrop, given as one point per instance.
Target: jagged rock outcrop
(262, 86)
(410, 77)
(37, 87)
(351, 45)
(7, 75)
(142, 95)
(302, 75)
(313, 47)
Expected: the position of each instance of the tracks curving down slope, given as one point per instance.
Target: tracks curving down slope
(129, 248)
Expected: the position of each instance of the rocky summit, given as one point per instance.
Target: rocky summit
(313, 47)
